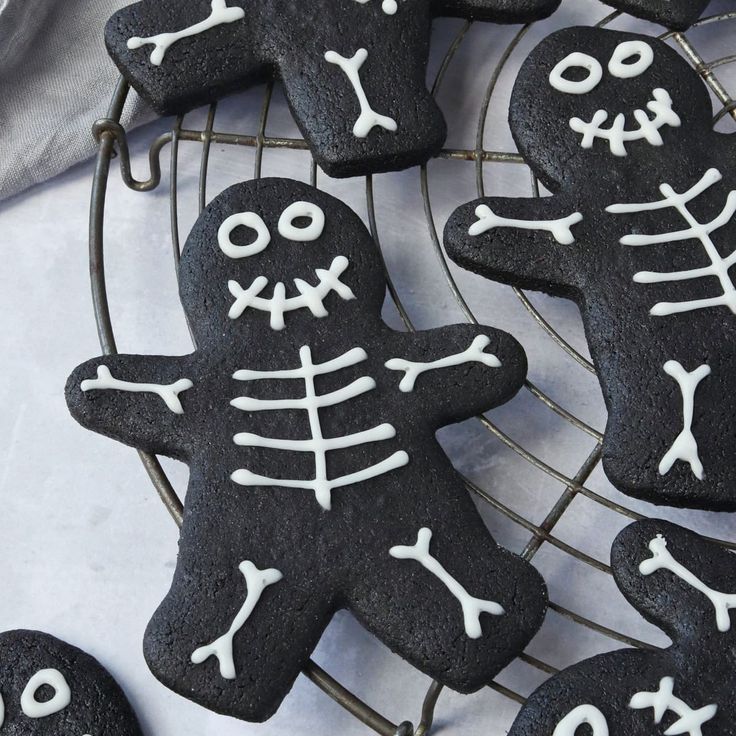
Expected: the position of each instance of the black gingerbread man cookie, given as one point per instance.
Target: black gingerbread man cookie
(353, 70)
(686, 586)
(50, 688)
(316, 479)
(640, 232)
(676, 14)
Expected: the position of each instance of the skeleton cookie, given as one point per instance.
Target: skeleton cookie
(49, 688)
(686, 586)
(316, 480)
(640, 232)
(353, 70)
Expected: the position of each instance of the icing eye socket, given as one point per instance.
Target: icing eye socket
(576, 60)
(621, 67)
(290, 231)
(243, 219)
(62, 694)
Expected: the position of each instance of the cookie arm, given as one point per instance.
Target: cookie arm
(143, 401)
(529, 243)
(458, 371)
(178, 55)
(498, 11)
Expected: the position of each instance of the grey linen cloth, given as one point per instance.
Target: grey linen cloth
(56, 79)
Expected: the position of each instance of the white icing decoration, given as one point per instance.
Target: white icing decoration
(310, 297)
(474, 354)
(560, 229)
(256, 581)
(388, 6)
(471, 607)
(696, 231)
(690, 721)
(662, 559)
(163, 41)
(317, 443)
(368, 118)
(243, 219)
(583, 714)
(302, 234)
(2, 710)
(170, 393)
(617, 135)
(62, 694)
(583, 86)
(625, 50)
(685, 446)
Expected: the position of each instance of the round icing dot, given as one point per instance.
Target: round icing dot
(582, 86)
(243, 219)
(288, 230)
(389, 7)
(618, 65)
(62, 694)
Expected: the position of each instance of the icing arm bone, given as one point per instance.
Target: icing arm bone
(471, 607)
(115, 395)
(525, 240)
(474, 354)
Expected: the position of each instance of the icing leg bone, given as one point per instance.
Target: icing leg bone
(685, 447)
(310, 297)
(170, 393)
(701, 232)
(662, 559)
(368, 118)
(222, 648)
(583, 714)
(690, 721)
(164, 41)
(471, 607)
(560, 229)
(474, 354)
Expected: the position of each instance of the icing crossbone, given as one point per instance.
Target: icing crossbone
(662, 559)
(307, 451)
(690, 721)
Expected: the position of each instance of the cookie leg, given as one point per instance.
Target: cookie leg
(451, 602)
(234, 639)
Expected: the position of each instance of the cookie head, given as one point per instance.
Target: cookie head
(590, 101)
(276, 256)
(48, 687)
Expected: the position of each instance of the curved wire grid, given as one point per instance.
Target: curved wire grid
(113, 142)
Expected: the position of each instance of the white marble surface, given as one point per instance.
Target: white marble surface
(89, 549)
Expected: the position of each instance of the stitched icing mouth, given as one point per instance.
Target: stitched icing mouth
(617, 135)
(310, 297)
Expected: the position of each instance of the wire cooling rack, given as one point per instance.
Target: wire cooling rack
(113, 142)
